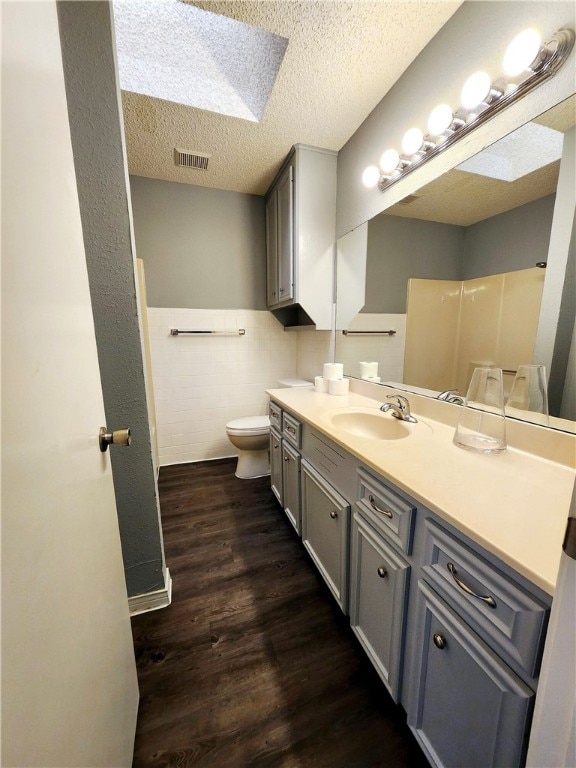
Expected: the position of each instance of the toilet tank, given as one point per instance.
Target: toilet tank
(294, 383)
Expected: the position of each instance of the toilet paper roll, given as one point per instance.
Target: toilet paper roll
(320, 384)
(368, 370)
(338, 386)
(373, 379)
(332, 370)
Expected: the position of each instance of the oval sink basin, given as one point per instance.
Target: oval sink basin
(375, 425)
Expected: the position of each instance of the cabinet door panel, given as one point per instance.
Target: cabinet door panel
(285, 237)
(291, 484)
(468, 708)
(378, 593)
(276, 465)
(325, 522)
(272, 249)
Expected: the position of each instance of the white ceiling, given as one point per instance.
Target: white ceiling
(341, 59)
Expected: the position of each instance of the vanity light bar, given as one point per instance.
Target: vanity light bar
(492, 98)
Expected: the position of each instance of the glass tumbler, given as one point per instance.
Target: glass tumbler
(528, 398)
(482, 425)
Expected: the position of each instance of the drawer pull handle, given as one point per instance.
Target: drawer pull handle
(291, 429)
(276, 446)
(439, 641)
(333, 514)
(382, 511)
(485, 598)
(382, 572)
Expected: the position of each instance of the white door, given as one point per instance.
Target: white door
(69, 690)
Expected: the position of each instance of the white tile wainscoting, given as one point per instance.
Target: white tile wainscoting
(201, 383)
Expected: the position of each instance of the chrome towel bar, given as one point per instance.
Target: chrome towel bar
(177, 332)
(368, 333)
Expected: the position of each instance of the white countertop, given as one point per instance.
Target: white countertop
(515, 504)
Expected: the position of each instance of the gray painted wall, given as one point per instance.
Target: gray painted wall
(202, 248)
(400, 248)
(513, 240)
(95, 123)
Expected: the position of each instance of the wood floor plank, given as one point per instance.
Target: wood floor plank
(253, 664)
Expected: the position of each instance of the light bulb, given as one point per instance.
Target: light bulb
(521, 52)
(371, 176)
(389, 160)
(412, 141)
(475, 90)
(440, 119)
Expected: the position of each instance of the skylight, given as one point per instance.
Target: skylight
(525, 150)
(171, 50)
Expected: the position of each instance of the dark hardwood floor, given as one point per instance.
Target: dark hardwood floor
(253, 664)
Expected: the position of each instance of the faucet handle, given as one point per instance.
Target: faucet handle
(401, 401)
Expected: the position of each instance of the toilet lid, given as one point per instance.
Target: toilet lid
(250, 424)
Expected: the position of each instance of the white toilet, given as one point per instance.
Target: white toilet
(251, 436)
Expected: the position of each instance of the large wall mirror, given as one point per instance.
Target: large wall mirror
(453, 276)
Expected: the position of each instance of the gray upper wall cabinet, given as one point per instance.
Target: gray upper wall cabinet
(300, 234)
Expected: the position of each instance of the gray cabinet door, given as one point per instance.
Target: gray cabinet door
(325, 526)
(467, 708)
(285, 221)
(378, 591)
(272, 249)
(276, 465)
(291, 484)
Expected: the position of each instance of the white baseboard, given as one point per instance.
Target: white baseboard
(152, 601)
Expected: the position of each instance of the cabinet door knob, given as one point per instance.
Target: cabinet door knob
(382, 572)
(286, 458)
(333, 514)
(439, 641)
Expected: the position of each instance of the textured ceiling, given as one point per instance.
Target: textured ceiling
(174, 51)
(342, 58)
(464, 198)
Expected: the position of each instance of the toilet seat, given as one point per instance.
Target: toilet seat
(249, 425)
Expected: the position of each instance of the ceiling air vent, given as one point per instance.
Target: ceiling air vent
(187, 159)
(408, 199)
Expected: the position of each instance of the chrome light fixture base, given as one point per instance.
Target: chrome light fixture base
(503, 93)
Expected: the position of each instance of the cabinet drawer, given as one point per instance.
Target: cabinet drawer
(389, 513)
(291, 429)
(331, 461)
(275, 413)
(498, 607)
(468, 708)
(378, 592)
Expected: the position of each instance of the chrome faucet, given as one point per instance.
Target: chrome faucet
(451, 396)
(400, 409)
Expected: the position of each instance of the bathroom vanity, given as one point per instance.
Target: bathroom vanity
(444, 560)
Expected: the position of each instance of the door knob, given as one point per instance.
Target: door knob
(117, 437)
